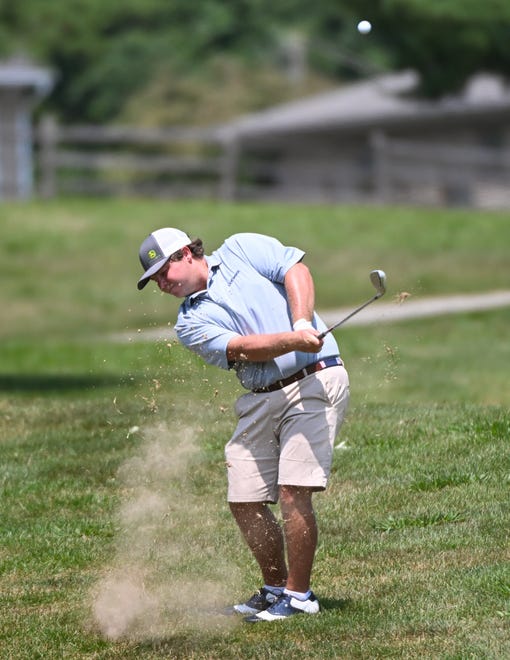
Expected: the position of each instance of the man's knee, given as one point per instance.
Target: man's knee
(297, 496)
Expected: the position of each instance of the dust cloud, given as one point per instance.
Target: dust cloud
(169, 572)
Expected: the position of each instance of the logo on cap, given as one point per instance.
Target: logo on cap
(152, 254)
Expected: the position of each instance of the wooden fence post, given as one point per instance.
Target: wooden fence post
(382, 178)
(228, 180)
(48, 139)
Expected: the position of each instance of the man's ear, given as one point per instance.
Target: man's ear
(187, 254)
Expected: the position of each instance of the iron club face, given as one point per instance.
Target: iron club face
(378, 279)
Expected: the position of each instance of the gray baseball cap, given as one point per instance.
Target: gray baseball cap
(157, 249)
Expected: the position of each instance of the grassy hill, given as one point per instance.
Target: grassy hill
(70, 268)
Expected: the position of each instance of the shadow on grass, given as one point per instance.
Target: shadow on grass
(57, 382)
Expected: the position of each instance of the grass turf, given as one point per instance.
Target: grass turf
(112, 475)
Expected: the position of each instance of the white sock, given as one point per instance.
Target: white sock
(274, 590)
(298, 594)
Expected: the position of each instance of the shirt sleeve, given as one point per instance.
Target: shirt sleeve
(206, 339)
(267, 255)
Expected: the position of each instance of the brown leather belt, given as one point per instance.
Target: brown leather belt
(311, 369)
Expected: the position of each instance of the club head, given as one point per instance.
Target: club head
(378, 279)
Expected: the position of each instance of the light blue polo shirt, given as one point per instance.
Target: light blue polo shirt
(246, 295)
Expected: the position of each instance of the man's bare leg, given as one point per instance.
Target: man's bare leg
(264, 537)
(300, 529)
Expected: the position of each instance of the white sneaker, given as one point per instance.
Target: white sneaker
(261, 600)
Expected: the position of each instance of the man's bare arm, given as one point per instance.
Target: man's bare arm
(300, 292)
(260, 348)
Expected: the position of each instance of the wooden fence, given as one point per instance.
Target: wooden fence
(182, 162)
(440, 174)
(114, 160)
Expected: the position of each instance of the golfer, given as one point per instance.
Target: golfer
(249, 306)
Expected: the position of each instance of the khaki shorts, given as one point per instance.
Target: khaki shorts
(286, 437)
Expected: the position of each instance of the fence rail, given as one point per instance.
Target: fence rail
(201, 162)
(138, 163)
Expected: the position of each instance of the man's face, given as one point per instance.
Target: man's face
(178, 278)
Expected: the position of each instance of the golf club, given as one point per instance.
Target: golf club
(378, 279)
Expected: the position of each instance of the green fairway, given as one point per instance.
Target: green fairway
(116, 539)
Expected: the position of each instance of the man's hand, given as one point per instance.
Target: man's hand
(308, 341)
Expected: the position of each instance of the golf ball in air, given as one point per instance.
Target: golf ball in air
(364, 27)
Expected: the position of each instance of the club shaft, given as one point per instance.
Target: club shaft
(358, 309)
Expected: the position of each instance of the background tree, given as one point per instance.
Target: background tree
(446, 41)
(176, 61)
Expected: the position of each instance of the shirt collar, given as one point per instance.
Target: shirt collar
(213, 262)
